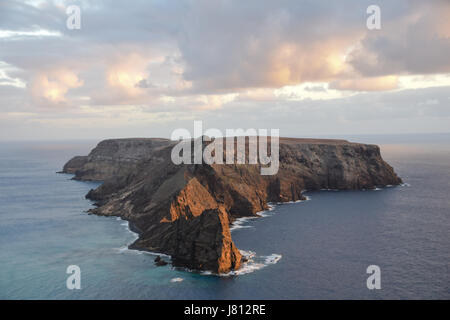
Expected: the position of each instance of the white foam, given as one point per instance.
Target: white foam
(387, 186)
(254, 263)
(126, 224)
(405, 185)
(238, 223)
(125, 249)
(273, 258)
(122, 249)
(296, 201)
(247, 254)
(176, 280)
(266, 213)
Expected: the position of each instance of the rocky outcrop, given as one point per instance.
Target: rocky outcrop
(111, 158)
(186, 210)
(160, 262)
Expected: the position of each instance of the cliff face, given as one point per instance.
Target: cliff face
(113, 157)
(185, 210)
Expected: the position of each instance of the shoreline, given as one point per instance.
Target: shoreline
(250, 265)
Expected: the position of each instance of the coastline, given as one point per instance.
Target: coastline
(252, 262)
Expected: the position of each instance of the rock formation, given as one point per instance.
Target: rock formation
(185, 210)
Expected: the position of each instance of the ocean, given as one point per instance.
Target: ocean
(314, 249)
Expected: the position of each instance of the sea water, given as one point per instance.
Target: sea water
(315, 249)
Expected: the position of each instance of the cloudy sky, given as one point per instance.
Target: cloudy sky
(145, 68)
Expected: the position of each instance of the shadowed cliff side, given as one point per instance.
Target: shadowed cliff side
(185, 210)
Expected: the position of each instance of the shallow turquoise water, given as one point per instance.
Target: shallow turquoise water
(323, 245)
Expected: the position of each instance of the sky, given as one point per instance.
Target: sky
(145, 68)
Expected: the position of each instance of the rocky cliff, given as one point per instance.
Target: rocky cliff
(111, 158)
(186, 210)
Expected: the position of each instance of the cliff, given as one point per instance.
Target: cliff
(186, 210)
(112, 158)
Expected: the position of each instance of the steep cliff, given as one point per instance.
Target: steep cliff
(113, 157)
(185, 210)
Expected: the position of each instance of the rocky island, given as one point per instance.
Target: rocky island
(186, 210)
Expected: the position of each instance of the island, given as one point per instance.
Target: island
(186, 210)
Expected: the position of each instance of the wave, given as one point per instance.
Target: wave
(388, 186)
(296, 201)
(125, 248)
(254, 263)
(239, 222)
(127, 226)
(405, 185)
(273, 258)
(176, 280)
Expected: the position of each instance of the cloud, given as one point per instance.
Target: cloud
(288, 43)
(143, 83)
(229, 47)
(366, 84)
(266, 44)
(416, 43)
(51, 88)
(8, 76)
(417, 110)
(257, 60)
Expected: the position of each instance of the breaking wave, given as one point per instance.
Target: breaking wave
(125, 248)
(254, 262)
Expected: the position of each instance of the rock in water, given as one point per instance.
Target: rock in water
(185, 210)
(160, 262)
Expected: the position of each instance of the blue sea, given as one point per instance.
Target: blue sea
(315, 249)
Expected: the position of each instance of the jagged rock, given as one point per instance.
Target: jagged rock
(160, 262)
(185, 210)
